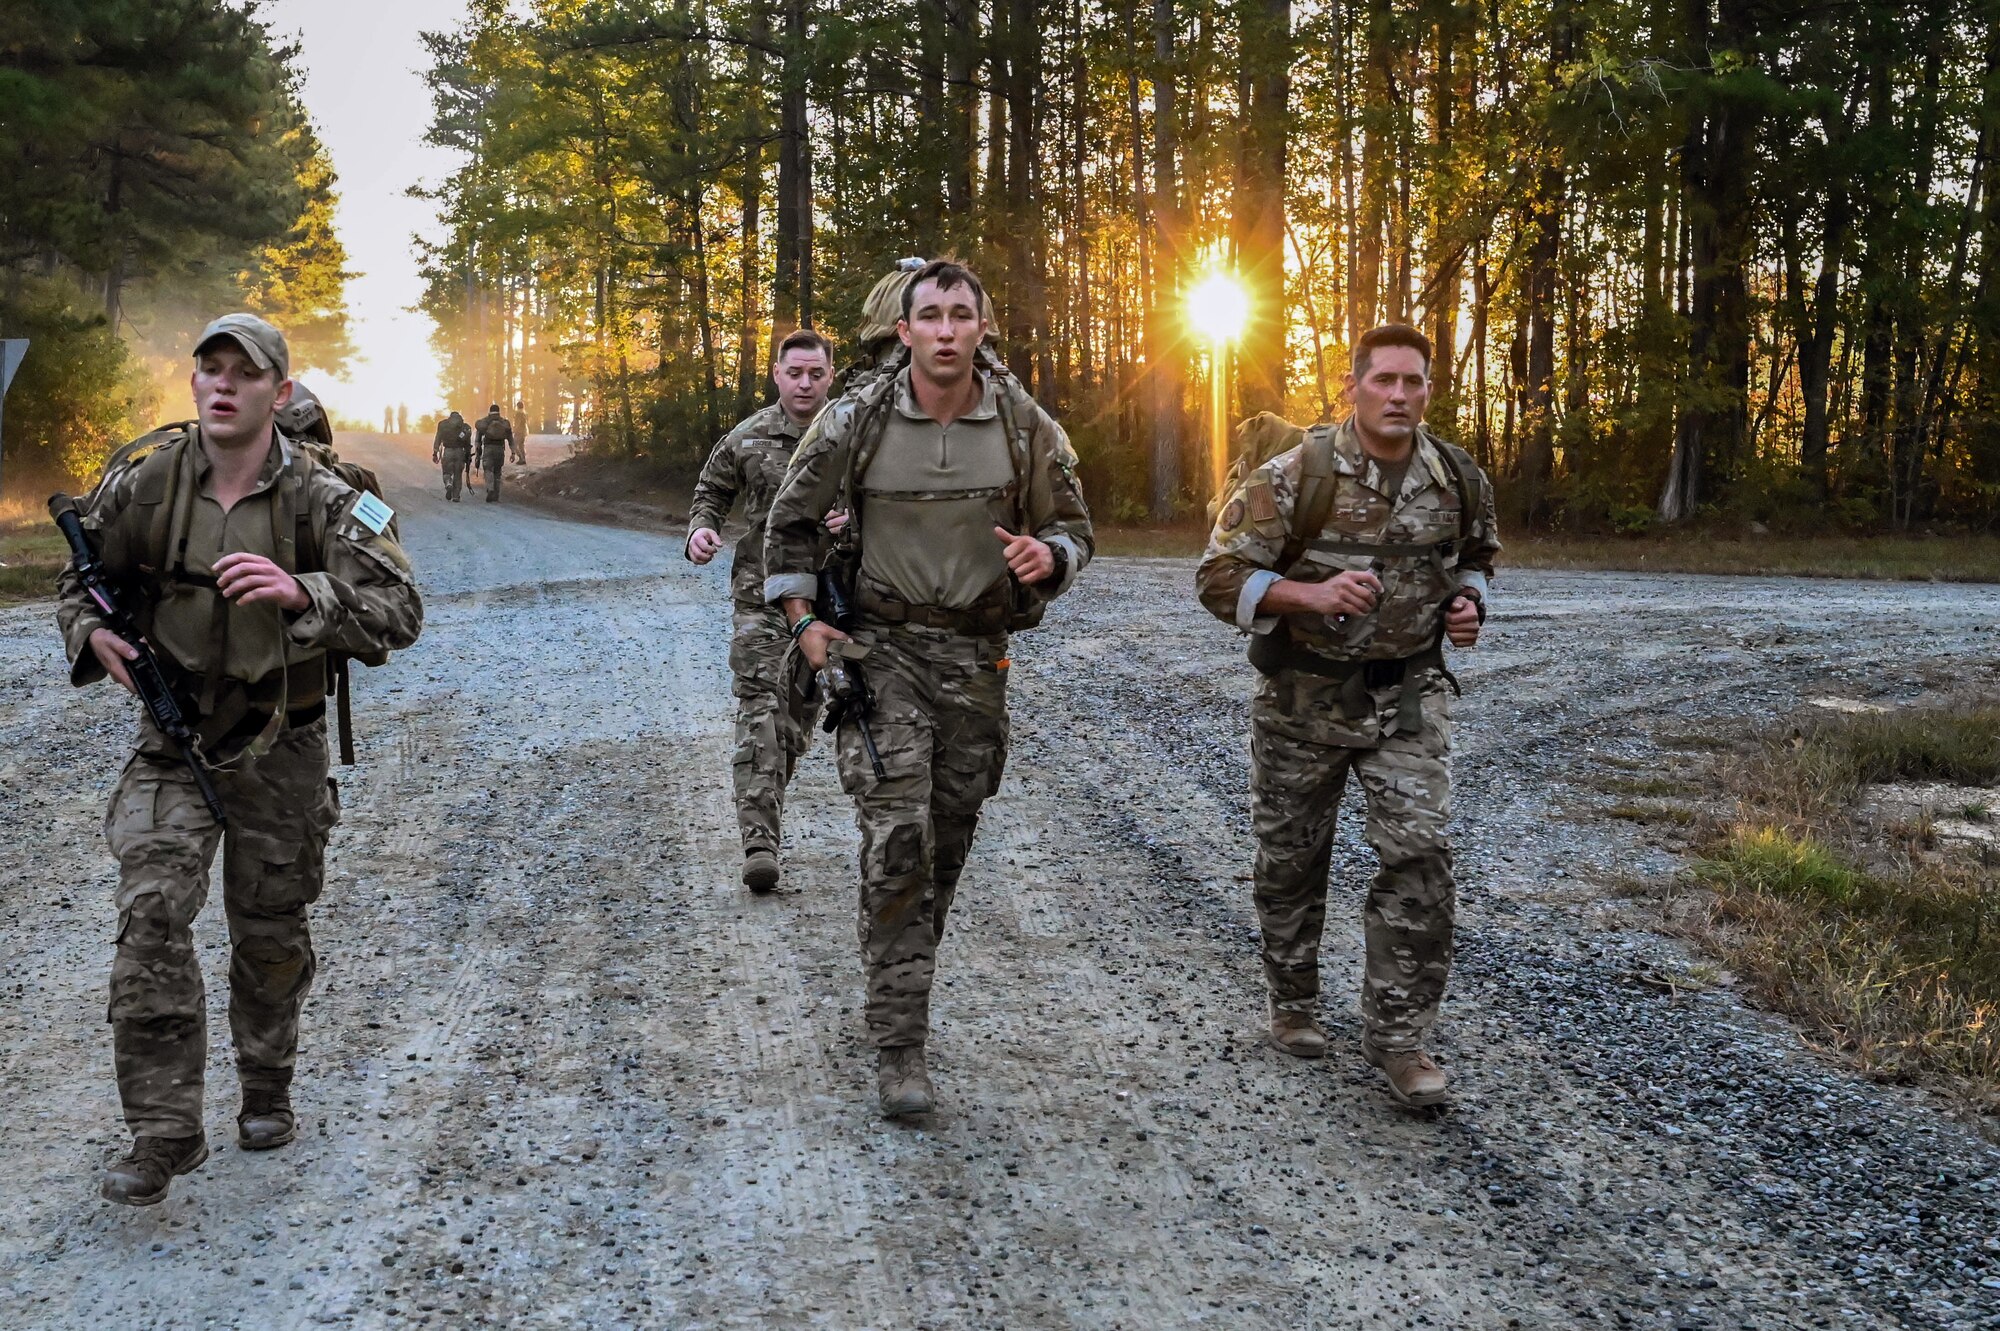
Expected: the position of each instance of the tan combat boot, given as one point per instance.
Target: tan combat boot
(150, 1167)
(266, 1121)
(1297, 1034)
(760, 870)
(902, 1083)
(1414, 1079)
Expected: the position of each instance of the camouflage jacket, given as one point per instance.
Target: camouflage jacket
(1248, 543)
(747, 463)
(362, 598)
(1044, 500)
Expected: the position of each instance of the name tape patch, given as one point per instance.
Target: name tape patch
(373, 514)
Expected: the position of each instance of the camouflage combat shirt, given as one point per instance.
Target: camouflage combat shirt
(748, 463)
(1422, 511)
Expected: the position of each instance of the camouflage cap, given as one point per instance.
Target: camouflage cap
(263, 344)
(883, 309)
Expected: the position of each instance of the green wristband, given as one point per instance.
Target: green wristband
(805, 620)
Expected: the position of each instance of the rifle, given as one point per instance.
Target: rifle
(148, 679)
(848, 697)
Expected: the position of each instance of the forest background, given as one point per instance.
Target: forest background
(1720, 256)
(1723, 259)
(156, 168)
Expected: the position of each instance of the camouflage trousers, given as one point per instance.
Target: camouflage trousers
(493, 462)
(775, 714)
(1298, 771)
(940, 725)
(281, 808)
(454, 462)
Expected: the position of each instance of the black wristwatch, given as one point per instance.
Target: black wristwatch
(1060, 555)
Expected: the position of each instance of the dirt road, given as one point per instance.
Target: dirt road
(561, 1070)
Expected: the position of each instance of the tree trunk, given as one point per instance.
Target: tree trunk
(1259, 213)
(1165, 358)
(749, 365)
(791, 287)
(1717, 167)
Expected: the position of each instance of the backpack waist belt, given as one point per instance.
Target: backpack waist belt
(984, 618)
(1359, 679)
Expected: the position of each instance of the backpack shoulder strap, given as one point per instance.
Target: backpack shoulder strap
(1460, 464)
(1315, 494)
(871, 410)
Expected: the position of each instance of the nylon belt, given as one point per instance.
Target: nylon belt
(1358, 679)
(980, 620)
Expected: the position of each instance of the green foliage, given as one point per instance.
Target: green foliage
(158, 169)
(1753, 244)
(77, 392)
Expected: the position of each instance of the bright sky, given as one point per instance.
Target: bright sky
(364, 90)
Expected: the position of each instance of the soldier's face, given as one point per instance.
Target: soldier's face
(1390, 394)
(803, 377)
(942, 332)
(234, 400)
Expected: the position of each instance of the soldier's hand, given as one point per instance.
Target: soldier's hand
(703, 542)
(1030, 560)
(112, 652)
(837, 520)
(1461, 620)
(1353, 592)
(819, 635)
(249, 579)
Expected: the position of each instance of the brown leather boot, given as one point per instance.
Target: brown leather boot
(1414, 1079)
(902, 1082)
(267, 1121)
(760, 870)
(1297, 1034)
(150, 1167)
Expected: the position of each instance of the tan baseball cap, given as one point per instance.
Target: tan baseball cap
(263, 344)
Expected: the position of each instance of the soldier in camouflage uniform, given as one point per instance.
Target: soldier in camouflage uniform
(491, 437)
(251, 562)
(963, 505)
(1348, 615)
(776, 704)
(451, 448)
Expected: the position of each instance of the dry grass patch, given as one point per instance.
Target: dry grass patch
(31, 551)
(1884, 558)
(1886, 944)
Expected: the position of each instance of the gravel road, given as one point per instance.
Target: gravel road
(561, 1070)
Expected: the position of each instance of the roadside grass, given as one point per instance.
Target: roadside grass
(1882, 558)
(1885, 944)
(31, 551)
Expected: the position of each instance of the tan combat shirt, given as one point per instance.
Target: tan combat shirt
(1241, 562)
(1038, 493)
(928, 497)
(363, 599)
(747, 463)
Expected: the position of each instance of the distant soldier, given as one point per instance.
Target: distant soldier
(451, 448)
(963, 504)
(1351, 559)
(776, 705)
(491, 437)
(521, 433)
(388, 420)
(402, 420)
(251, 563)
